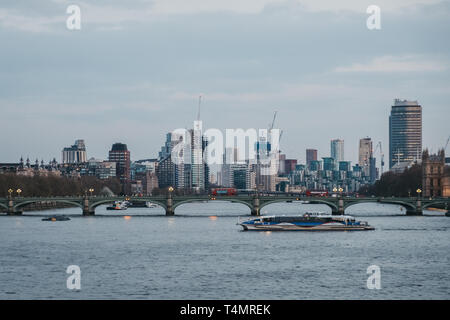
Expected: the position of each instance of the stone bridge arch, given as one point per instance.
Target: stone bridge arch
(333, 206)
(27, 202)
(95, 204)
(408, 206)
(437, 202)
(181, 202)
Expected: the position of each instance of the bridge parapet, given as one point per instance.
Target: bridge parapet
(338, 205)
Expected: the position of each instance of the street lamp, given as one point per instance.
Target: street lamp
(91, 190)
(10, 191)
(419, 191)
(19, 191)
(335, 189)
(170, 189)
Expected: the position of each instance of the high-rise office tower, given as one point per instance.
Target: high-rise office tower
(365, 155)
(75, 153)
(337, 150)
(197, 163)
(311, 155)
(120, 154)
(405, 132)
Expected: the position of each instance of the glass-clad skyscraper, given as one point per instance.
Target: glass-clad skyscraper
(405, 132)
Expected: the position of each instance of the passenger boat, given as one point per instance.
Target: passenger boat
(56, 218)
(118, 205)
(306, 222)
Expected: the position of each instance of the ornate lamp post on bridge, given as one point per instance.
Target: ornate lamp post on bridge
(10, 210)
(340, 201)
(91, 190)
(19, 191)
(169, 209)
(419, 202)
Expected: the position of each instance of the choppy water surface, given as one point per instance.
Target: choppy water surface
(201, 254)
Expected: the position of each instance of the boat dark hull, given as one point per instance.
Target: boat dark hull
(304, 228)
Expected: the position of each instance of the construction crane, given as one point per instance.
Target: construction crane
(199, 103)
(379, 146)
(273, 121)
(446, 145)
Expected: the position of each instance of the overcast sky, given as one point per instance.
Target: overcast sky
(135, 69)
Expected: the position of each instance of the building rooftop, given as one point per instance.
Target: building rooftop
(119, 147)
(405, 103)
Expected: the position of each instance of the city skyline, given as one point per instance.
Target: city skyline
(341, 145)
(90, 82)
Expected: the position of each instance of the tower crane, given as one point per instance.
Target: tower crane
(446, 145)
(273, 121)
(199, 103)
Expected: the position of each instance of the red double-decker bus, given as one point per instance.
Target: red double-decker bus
(316, 193)
(223, 192)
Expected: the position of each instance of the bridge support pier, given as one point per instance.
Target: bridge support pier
(169, 206)
(86, 210)
(418, 211)
(256, 211)
(11, 211)
(340, 210)
(414, 213)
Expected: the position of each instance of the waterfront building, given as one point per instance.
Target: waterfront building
(75, 153)
(236, 174)
(290, 165)
(197, 164)
(405, 132)
(120, 154)
(446, 182)
(315, 165)
(329, 164)
(337, 150)
(174, 172)
(144, 182)
(373, 171)
(150, 164)
(282, 167)
(311, 155)
(101, 169)
(345, 166)
(433, 173)
(31, 170)
(365, 154)
(165, 172)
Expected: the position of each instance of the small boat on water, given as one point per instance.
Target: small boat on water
(56, 218)
(117, 205)
(138, 204)
(151, 205)
(306, 222)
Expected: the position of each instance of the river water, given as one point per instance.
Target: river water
(202, 254)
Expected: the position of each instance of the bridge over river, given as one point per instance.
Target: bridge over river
(414, 206)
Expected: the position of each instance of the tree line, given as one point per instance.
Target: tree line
(47, 186)
(403, 184)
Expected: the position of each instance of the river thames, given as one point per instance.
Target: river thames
(200, 253)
